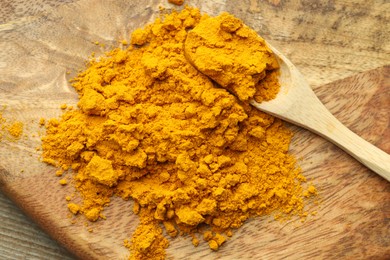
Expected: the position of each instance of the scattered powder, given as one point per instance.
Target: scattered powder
(42, 122)
(63, 182)
(176, 2)
(10, 129)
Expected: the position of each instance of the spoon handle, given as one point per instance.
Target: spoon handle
(308, 112)
(326, 125)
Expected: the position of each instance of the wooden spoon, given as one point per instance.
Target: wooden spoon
(297, 103)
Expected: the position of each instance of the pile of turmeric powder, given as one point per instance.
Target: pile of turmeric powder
(167, 124)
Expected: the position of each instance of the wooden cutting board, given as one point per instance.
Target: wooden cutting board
(42, 42)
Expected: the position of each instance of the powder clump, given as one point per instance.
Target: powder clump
(10, 129)
(193, 157)
(176, 2)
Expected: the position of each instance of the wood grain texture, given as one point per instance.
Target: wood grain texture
(23, 239)
(328, 40)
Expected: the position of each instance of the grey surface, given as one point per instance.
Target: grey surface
(21, 238)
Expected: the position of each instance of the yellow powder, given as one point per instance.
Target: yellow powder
(153, 126)
(2, 120)
(213, 245)
(63, 182)
(101, 171)
(59, 172)
(176, 2)
(10, 129)
(230, 53)
(195, 241)
(148, 241)
(16, 129)
(207, 235)
(74, 208)
(312, 190)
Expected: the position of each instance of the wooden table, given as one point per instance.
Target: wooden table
(327, 40)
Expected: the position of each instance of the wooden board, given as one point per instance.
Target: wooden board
(41, 40)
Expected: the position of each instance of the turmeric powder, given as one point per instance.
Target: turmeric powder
(176, 2)
(230, 53)
(10, 129)
(153, 128)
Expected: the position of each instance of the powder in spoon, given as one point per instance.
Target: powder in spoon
(233, 55)
(152, 128)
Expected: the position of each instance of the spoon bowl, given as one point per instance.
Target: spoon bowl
(298, 104)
